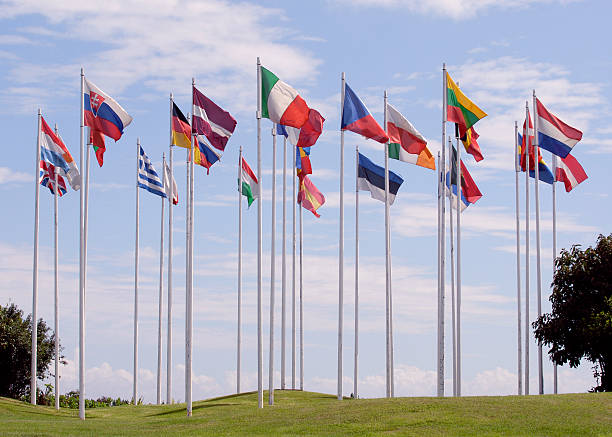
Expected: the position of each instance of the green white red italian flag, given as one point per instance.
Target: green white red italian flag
(405, 142)
(250, 185)
(280, 102)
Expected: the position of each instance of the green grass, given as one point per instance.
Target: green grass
(315, 414)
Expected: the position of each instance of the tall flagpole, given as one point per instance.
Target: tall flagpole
(187, 252)
(341, 249)
(458, 273)
(259, 248)
(169, 324)
(272, 272)
(527, 134)
(81, 258)
(161, 289)
(453, 292)
(33, 363)
(301, 299)
(56, 284)
(189, 297)
(356, 358)
(284, 266)
(518, 264)
(293, 273)
(440, 200)
(135, 377)
(538, 265)
(442, 249)
(387, 281)
(239, 327)
(554, 244)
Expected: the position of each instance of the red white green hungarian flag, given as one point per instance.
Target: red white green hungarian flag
(460, 109)
(250, 185)
(280, 102)
(405, 142)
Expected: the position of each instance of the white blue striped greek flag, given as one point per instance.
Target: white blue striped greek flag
(147, 176)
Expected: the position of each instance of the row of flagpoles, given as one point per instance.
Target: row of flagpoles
(206, 137)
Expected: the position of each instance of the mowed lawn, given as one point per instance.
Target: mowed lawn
(315, 414)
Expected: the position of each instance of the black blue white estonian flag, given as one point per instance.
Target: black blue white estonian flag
(371, 177)
(147, 176)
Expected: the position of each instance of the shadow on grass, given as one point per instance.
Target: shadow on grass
(195, 407)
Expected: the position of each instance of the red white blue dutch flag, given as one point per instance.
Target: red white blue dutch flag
(553, 134)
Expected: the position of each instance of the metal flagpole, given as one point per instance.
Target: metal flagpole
(356, 359)
(458, 273)
(259, 248)
(81, 258)
(272, 272)
(169, 324)
(440, 199)
(442, 249)
(135, 377)
(187, 251)
(238, 335)
(293, 271)
(56, 328)
(518, 264)
(453, 293)
(161, 288)
(301, 299)
(536, 154)
(387, 290)
(284, 266)
(189, 297)
(554, 244)
(527, 134)
(33, 372)
(341, 249)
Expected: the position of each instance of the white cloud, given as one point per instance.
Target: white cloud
(10, 176)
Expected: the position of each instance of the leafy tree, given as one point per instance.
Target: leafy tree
(15, 351)
(580, 324)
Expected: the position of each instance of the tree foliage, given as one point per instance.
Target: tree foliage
(16, 354)
(580, 324)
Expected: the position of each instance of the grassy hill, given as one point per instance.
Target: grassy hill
(316, 414)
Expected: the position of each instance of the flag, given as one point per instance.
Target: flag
(204, 154)
(54, 151)
(544, 173)
(302, 161)
(405, 142)
(103, 113)
(211, 121)
(280, 102)
(553, 134)
(147, 176)
(96, 139)
(181, 129)
(469, 191)
(250, 185)
(459, 108)
(371, 177)
(309, 196)
(469, 139)
(569, 171)
(47, 178)
(170, 189)
(357, 118)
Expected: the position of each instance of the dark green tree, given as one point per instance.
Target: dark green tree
(580, 324)
(15, 351)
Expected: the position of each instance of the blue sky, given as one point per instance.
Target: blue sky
(140, 52)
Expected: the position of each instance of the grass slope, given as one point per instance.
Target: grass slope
(315, 414)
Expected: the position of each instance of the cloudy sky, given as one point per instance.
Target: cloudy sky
(139, 52)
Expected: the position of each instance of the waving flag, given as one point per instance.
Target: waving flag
(250, 185)
(357, 118)
(405, 142)
(569, 171)
(211, 121)
(205, 155)
(181, 129)
(47, 178)
(459, 108)
(147, 176)
(469, 190)
(280, 102)
(170, 188)
(302, 161)
(309, 196)
(469, 139)
(103, 113)
(371, 177)
(544, 172)
(553, 134)
(54, 151)
(96, 139)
